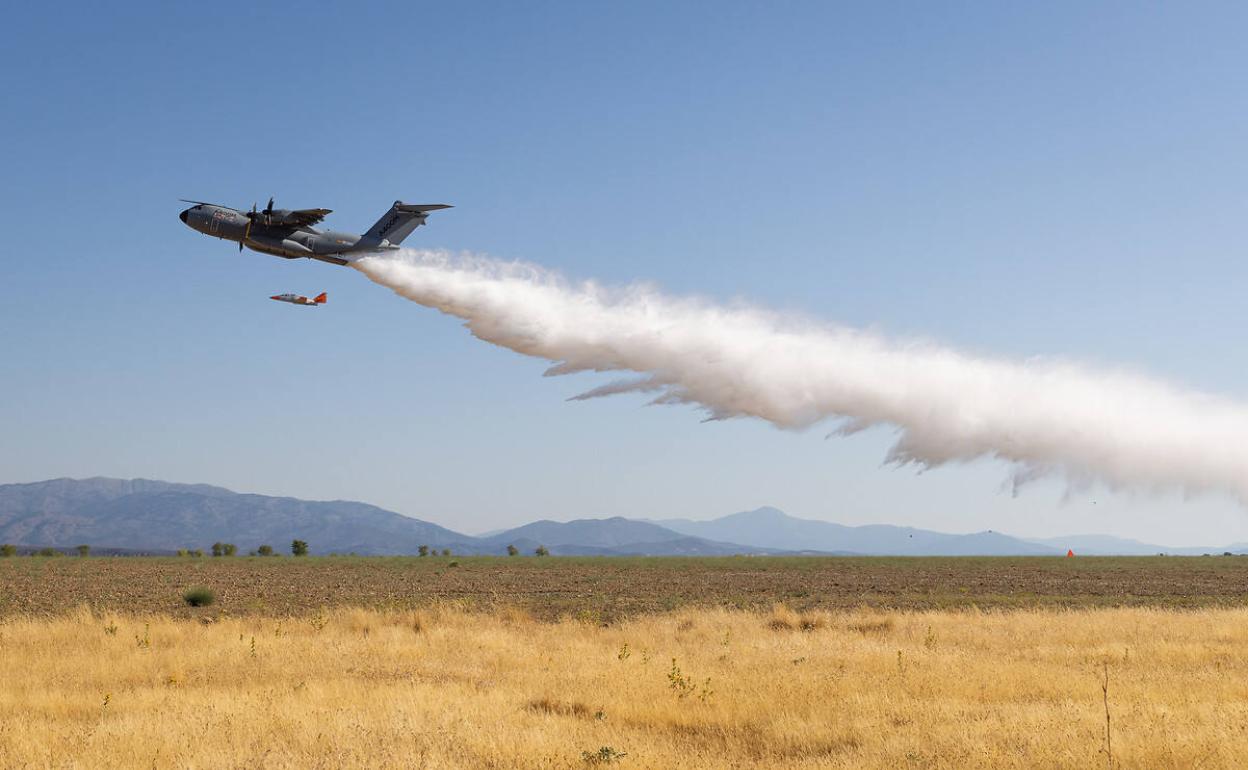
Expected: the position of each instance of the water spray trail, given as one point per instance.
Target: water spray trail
(1042, 416)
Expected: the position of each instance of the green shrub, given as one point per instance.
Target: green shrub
(512, 550)
(265, 550)
(8, 549)
(199, 596)
(299, 548)
(541, 550)
(603, 756)
(229, 549)
(49, 552)
(423, 550)
(84, 550)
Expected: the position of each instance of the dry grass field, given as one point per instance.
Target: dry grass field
(645, 663)
(699, 688)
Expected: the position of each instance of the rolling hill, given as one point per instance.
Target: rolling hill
(144, 516)
(156, 515)
(773, 528)
(159, 517)
(616, 535)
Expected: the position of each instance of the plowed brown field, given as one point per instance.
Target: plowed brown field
(611, 588)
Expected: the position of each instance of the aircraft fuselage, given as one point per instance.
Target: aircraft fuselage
(279, 241)
(290, 234)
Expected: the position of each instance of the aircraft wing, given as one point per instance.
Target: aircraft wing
(305, 217)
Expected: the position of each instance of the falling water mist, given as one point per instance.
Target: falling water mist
(1043, 417)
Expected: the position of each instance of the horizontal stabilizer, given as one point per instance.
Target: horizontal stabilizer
(419, 208)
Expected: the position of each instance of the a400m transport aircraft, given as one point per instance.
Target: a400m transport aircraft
(290, 234)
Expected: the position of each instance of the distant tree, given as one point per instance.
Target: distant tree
(251, 553)
(49, 552)
(299, 547)
(423, 550)
(198, 553)
(218, 548)
(446, 551)
(265, 550)
(541, 550)
(8, 549)
(229, 549)
(513, 551)
(84, 550)
(183, 552)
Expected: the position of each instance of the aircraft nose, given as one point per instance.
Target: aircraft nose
(182, 216)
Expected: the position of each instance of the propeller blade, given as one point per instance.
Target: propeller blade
(247, 232)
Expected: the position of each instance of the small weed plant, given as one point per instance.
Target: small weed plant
(685, 686)
(605, 755)
(319, 620)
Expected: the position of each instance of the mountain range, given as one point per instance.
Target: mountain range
(139, 515)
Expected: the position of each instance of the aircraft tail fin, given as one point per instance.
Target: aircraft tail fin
(399, 222)
(321, 298)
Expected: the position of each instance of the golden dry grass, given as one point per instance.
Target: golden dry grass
(447, 688)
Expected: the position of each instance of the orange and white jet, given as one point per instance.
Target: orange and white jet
(299, 299)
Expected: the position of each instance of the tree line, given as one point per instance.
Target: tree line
(219, 549)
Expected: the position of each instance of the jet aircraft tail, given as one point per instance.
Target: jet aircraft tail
(321, 298)
(399, 222)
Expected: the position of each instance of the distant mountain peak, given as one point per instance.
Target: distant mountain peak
(765, 512)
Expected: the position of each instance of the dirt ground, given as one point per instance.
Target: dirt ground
(612, 588)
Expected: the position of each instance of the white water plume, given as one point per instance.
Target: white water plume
(1045, 417)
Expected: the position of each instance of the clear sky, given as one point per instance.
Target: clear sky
(1053, 179)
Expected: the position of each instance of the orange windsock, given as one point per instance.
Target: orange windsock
(1070, 554)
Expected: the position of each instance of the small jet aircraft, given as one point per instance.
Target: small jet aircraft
(299, 299)
(290, 234)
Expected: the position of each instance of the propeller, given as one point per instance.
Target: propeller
(246, 233)
(268, 212)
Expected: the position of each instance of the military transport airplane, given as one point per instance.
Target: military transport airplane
(299, 299)
(290, 234)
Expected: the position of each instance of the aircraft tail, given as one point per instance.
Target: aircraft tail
(399, 222)
(321, 298)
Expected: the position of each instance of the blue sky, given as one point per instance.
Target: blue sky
(1061, 179)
